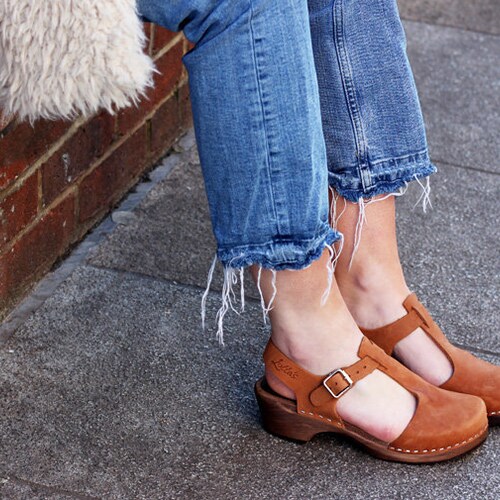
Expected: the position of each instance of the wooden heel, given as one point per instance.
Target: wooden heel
(280, 417)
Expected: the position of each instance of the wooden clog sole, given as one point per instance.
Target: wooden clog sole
(280, 417)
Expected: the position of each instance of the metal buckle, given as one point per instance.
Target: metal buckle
(346, 378)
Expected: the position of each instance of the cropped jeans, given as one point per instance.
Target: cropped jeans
(291, 98)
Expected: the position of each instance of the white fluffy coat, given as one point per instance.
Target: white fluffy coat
(64, 58)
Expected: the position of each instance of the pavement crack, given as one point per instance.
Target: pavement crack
(168, 281)
(478, 350)
(53, 490)
(464, 167)
(451, 26)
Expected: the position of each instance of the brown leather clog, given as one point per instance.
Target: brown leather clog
(471, 375)
(445, 424)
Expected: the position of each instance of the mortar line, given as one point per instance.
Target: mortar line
(52, 490)
(54, 147)
(167, 47)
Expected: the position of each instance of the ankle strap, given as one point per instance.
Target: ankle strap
(314, 391)
(389, 335)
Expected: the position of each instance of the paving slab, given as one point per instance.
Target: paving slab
(477, 15)
(111, 391)
(458, 79)
(170, 234)
(450, 253)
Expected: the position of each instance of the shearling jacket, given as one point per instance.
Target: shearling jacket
(65, 58)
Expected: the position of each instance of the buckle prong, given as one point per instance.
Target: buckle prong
(346, 378)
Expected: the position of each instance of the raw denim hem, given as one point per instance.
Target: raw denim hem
(280, 255)
(382, 182)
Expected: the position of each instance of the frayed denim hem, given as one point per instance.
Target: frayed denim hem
(279, 254)
(382, 182)
(392, 182)
(275, 255)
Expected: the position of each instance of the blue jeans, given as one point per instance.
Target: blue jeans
(289, 98)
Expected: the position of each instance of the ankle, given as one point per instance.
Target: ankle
(319, 346)
(373, 293)
(318, 354)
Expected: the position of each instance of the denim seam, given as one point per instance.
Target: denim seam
(266, 132)
(348, 84)
(401, 176)
(269, 243)
(393, 171)
(420, 157)
(396, 158)
(417, 171)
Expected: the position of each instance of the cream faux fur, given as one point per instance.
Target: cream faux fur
(64, 58)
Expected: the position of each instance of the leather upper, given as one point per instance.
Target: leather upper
(471, 375)
(442, 419)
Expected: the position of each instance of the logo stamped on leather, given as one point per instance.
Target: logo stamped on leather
(282, 367)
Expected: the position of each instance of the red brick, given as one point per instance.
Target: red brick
(4, 121)
(35, 252)
(161, 38)
(170, 66)
(185, 111)
(76, 155)
(22, 144)
(148, 29)
(104, 185)
(18, 209)
(165, 125)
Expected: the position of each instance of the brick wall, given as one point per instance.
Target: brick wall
(58, 179)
